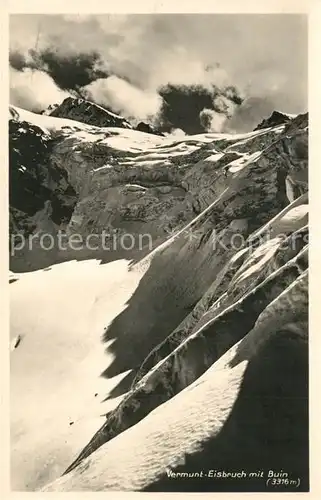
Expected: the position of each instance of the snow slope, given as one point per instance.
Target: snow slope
(56, 387)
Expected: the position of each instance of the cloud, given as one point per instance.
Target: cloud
(250, 54)
(212, 121)
(34, 90)
(176, 132)
(69, 71)
(124, 98)
(17, 60)
(184, 106)
(249, 115)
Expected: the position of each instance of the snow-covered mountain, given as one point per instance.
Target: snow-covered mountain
(88, 112)
(206, 330)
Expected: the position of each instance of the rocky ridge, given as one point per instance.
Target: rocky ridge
(88, 112)
(137, 183)
(276, 118)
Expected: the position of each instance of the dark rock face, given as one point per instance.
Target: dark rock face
(33, 181)
(88, 112)
(275, 119)
(41, 199)
(147, 128)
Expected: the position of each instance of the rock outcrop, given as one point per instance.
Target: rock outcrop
(88, 112)
(37, 190)
(276, 118)
(215, 335)
(146, 127)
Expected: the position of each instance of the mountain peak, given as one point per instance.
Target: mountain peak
(88, 112)
(276, 118)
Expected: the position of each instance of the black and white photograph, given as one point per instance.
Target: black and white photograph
(158, 252)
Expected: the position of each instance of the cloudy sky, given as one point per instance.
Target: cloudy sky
(249, 64)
